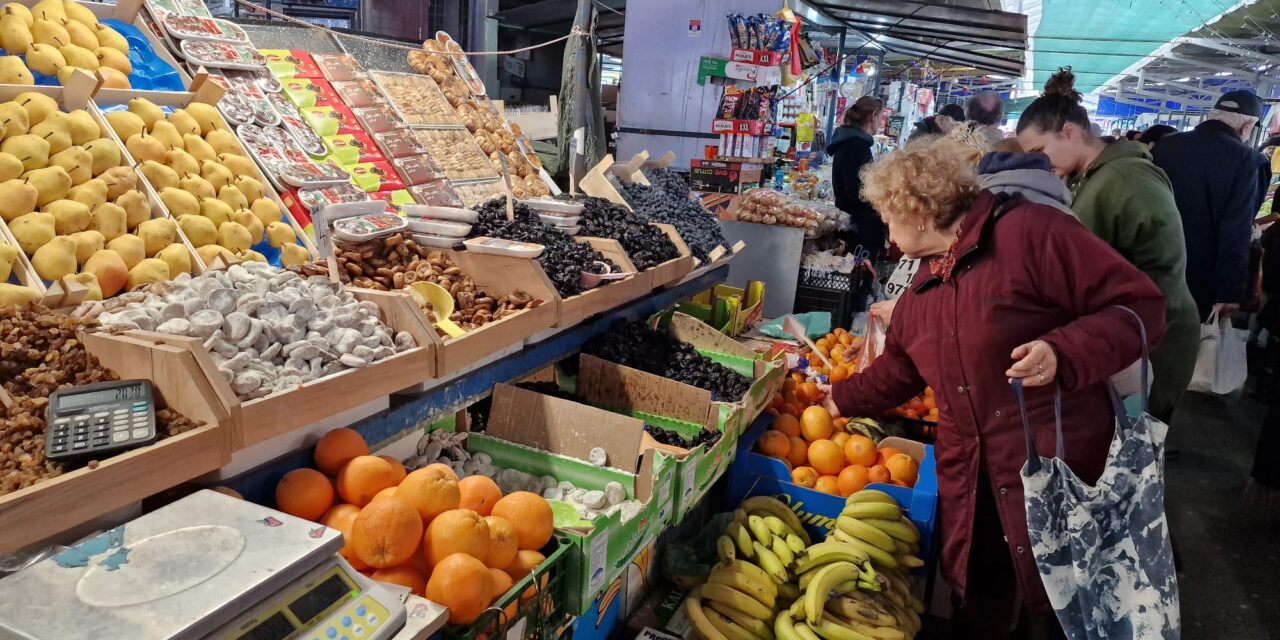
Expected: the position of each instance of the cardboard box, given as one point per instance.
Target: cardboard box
(543, 435)
(721, 176)
(766, 375)
(670, 405)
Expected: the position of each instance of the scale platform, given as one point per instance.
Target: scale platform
(208, 566)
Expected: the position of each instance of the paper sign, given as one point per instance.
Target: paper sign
(579, 140)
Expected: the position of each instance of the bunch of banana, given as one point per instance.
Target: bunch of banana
(855, 615)
(873, 523)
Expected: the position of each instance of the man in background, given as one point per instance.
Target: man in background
(939, 124)
(986, 110)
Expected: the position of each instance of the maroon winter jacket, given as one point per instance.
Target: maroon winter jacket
(1025, 274)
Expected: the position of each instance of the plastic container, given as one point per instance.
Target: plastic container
(453, 214)
(501, 247)
(368, 226)
(222, 55)
(207, 29)
(442, 228)
(554, 207)
(439, 242)
(563, 222)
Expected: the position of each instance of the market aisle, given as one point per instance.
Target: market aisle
(1230, 563)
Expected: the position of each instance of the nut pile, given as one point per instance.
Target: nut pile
(637, 346)
(563, 259)
(646, 245)
(267, 330)
(667, 200)
(39, 354)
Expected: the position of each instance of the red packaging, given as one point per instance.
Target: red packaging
(304, 65)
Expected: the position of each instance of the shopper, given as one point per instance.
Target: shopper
(1007, 289)
(1132, 135)
(1265, 470)
(938, 124)
(850, 151)
(1155, 133)
(1127, 201)
(987, 110)
(1219, 183)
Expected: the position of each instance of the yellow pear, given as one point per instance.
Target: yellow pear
(31, 150)
(217, 175)
(211, 252)
(69, 216)
(239, 165)
(110, 220)
(53, 183)
(49, 32)
(105, 153)
(207, 116)
(251, 187)
(87, 242)
(13, 295)
(83, 127)
(136, 206)
(32, 230)
(160, 176)
(143, 146)
(223, 141)
(38, 106)
(149, 271)
(110, 270)
(234, 236)
(56, 258)
(82, 36)
(184, 122)
(90, 282)
(158, 233)
(111, 77)
(10, 166)
(13, 120)
(45, 58)
(8, 255)
(126, 123)
(92, 193)
(165, 132)
(17, 198)
(178, 257)
(280, 234)
(77, 12)
(54, 129)
(77, 161)
(53, 10)
(199, 230)
(179, 202)
(181, 162)
(198, 148)
(215, 210)
(21, 11)
(246, 219)
(108, 37)
(249, 255)
(79, 57)
(14, 71)
(147, 110)
(119, 180)
(232, 196)
(266, 209)
(193, 184)
(15, 33)
(130, 248)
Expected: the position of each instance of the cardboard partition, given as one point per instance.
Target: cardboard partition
(609, 294)
(44, 511)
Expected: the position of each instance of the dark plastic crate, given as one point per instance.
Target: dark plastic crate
(843, 294)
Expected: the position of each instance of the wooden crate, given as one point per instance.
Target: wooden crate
(608, 295)
(55, 506)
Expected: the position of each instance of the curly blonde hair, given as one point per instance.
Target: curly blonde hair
(932, 180)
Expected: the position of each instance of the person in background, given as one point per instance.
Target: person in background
(1127, 201)
(1116, 134)
(938, 124)
(1219, 183)
(987, 110)
(1132, 135)
(1155, 133)
(850, 151)
(1006, 289)
(1108, 139)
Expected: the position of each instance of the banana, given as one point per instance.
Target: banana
(759, 530)
(880, 633)
(870, 495)
(828, 552)
(848, 587)
(877, 510)
(788, 591)
(783, 628)
(742, 538)
(775, 507)
(726, 549)
(900, 529)
(784, 553)
(771, 563)
(796, 611)
(828, 577)
(876, 554)
(726, 626)
(902, 547)
(867, 533)
(740, 516)
(745, 584)
(755, 573)
(698, 618)
(861, 611)
(909, 561)
(754, 626)
(830, 628)
(805, 631)
(797, 545)
(736, 599)
(776, 525)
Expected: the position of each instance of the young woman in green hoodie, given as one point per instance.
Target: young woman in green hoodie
(1127, 201)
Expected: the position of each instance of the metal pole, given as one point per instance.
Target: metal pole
(837, 73)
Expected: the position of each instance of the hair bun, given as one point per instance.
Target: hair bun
(1063, 83)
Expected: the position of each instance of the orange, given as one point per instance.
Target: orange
(363, 478)
(787, 424)
(443, 468)
(815, 424)
(846, 339)
(431, 490)
(305, 493)
(793, 398)
(399, 468)
(228, 491)
(809, 393)
(827, 484)
(776, 401)
(525, 563)
(878, 473)
(790, 409)
(464, 585)
(531, 516)
(386, 533)
(385, 493)
(774, 443)
(789, 386)
(502, 583)
(456, 531)
(503, 543)
(479, 494)
(853, 479)
(337, 448)
(839, 374)
(340, 517)
(805, 476)
(903, 468)
(403, 575)
(799, 453)
(860, 450)
(883, 455)
(826, 456)
(840, 437)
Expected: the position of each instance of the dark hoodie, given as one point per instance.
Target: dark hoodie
(850, 150)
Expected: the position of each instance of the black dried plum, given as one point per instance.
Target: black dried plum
(645, 244)
(668, 200)
(564, 259)
(635, 345)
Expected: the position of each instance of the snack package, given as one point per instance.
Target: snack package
(399, 143)
(436, 194)
(394, 198)
(360, 92)
(338, 67)
(353, 148)
(290, 63)
(418, 169)
(375, 176)
(379, 119)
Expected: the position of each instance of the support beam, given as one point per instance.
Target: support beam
(1205, 91)
(1184, 99)
(1217, 45)
(1208, 64)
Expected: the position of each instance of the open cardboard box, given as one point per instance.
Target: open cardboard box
(766, 375)
(609, 294)
(544, 435)
(668, 404)
(52, 507)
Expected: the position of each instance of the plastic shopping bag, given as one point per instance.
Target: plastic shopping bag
(872, 342)
(1221, 365)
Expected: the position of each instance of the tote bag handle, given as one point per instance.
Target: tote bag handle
(1144, 393)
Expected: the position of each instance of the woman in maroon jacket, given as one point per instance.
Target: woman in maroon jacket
(1008, 289)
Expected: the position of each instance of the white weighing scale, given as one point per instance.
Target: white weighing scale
(210, 567)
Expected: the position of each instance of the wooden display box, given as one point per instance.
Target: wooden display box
(56, 506)
(676, 268)
(609, 294)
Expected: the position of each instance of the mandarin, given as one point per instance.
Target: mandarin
(531, 517)
(815, 424)
(403, 575)
(788, 424)
(883, 455)
(860, 450)
(397, 467)
(853, 479)
(903, 468)
(456, 531)
(805, 476)
(799, 453)
(503, 543)
(337, 447)
(340, 517)
(431, 490)
(464, 585)
(479, 494)
(826, 456)
(774, 443)
(878, 473)
(363, 477)
(827, 484)
(305, 493)
(386, 533)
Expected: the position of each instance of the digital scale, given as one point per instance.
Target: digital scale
(210, 567)
(99, 420)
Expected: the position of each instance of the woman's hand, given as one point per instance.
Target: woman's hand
(883, 310)
(828, 402)
(1036, 366)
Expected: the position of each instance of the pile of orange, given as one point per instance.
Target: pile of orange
(842, 348)
(822, 455)
(459, 543)
(922, 407)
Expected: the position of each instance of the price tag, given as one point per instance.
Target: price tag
(579, 140)
(516, 632)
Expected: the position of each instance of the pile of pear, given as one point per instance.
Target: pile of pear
(73, 208)
(57, 37)
(200, 172)
(12, 294)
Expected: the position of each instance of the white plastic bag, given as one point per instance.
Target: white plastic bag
(1221, 365)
